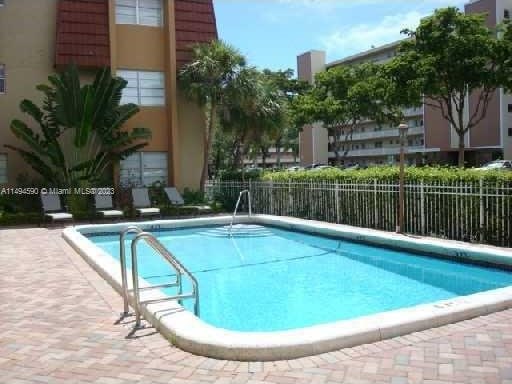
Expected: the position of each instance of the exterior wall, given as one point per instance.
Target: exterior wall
(190, 142)
(140, 47)
(488, 132)
(437, 133)
(313, 140)
(29, 56)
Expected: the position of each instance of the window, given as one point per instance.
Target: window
(141, 12)
(378, 144)
(144, 88)
(2, 78)
(2, 3)
(144, 168)
(506, 14)
(3, 168)
(510, 108)
(510, 132)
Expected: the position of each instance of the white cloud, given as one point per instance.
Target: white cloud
(363, 36)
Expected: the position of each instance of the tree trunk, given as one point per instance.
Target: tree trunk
(461, 133)
(263, 159)
(462, 147)
(278, 156)
(207, 146)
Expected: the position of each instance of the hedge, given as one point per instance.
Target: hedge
(437, 174)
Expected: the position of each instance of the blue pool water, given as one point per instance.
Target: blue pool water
(269, 279)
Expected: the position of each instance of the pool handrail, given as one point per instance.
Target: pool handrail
(236, 207)
(122, 258)
(177, 266)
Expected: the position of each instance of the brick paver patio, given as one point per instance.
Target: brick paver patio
(59, 324)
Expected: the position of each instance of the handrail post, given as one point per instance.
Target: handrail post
(122, 259)
(135, 278)
(236, 207)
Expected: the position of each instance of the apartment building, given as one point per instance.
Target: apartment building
(430, 138)
(144, 41)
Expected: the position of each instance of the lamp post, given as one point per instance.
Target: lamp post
(402, 129)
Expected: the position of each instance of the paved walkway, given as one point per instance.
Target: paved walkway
(58, 324)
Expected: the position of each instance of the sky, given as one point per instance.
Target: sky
(271, 33)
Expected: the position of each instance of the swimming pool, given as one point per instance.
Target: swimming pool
(269, 279)
(282, 288)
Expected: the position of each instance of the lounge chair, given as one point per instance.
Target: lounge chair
(105, 207)
(52, 208)
(176, 199)
(142, 204)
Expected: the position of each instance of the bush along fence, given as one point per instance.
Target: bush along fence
(472, 210)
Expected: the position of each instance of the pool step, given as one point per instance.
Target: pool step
(239, 230)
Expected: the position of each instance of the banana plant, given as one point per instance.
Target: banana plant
(80, 128)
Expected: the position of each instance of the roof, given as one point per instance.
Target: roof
(82, 33)
(364, 54)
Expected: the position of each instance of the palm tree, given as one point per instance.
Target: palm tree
(214, 66)
(80, 129)
(253, 110)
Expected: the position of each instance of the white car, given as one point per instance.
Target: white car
(498, 164)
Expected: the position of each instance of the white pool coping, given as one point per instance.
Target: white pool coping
(192, 334)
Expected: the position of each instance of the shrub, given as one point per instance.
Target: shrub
(426, 174)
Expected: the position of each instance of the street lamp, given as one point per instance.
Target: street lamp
(402, 129)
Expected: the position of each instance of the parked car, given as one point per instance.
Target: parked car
(295, 169)
(314, 165)
(497, 165)
(322, 168)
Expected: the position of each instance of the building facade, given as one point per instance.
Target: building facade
(430, 140)
(144, 41)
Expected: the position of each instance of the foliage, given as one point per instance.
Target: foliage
(345, 95)
(80, 126)
(436, 174)
(194, 197)
(213, 68)
(450, 56)
(253, 113)
(236, 174)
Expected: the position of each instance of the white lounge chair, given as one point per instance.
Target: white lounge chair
(52, 208)
(142, 204)
(176, 199)
(105, 207)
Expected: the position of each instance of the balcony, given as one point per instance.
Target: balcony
(386, 133)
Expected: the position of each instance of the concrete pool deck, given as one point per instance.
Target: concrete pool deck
(59, 316)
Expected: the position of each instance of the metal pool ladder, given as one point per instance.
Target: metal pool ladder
(236, 207)
(175, 264)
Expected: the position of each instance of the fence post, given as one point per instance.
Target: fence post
(375, 205)
(290, 198)
(482, 213)
(250, 197)
(337, 196)
(271, 190)
(422, 206)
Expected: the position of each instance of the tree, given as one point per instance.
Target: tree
(289, 88)
(253, 111)
(213, 68)
(450, 57)
(80, 129)
(344, 96)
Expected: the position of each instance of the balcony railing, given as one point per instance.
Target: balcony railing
(386, 133)
(381, 151)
